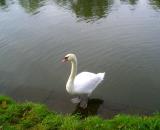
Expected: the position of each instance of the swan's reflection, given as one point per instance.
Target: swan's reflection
(92, 108)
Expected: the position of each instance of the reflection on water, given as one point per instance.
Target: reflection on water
(92, 108)
(31, 6)
(87, 9)
(131, 2)
(3, 3)
(155, 4)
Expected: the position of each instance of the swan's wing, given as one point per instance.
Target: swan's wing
(86, 82)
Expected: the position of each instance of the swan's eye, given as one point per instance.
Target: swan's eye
(66, 58)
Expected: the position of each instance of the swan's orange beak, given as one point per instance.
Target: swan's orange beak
(63, 60)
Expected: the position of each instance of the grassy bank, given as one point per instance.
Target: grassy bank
(32, 116)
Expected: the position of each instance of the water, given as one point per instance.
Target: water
(120, 37)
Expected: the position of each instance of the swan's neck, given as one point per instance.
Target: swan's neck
(73, 70)
(70, 82)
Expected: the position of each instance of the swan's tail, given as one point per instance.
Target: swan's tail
(101, 75)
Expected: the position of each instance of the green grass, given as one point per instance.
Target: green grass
(32, 116)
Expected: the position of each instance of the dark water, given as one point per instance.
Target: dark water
(120, 37)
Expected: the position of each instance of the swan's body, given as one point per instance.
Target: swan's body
(83, 83)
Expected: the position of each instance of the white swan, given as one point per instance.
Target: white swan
(83, 83)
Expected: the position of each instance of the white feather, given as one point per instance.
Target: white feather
(86, 82)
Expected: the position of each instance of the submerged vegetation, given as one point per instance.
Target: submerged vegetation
(28, 115)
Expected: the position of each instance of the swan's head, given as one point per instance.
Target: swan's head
(69, 57)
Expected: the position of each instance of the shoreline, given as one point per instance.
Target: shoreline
(34, 116)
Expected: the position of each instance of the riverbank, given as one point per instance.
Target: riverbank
(33, 116)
